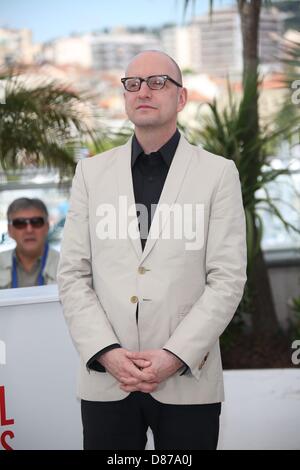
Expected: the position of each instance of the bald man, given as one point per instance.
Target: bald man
(152, 269)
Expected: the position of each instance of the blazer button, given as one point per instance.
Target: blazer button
(134, 299)
(142, 270)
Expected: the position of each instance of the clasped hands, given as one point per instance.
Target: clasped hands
(142, 370)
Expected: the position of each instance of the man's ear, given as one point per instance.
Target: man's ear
(182, 99)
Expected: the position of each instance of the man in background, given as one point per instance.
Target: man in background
(32, 262)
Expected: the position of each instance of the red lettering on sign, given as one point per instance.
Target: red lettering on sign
(3, 420)
(3, 441)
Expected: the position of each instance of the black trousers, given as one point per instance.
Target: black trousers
(123, 424)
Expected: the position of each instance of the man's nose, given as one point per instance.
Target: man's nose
(29, 228)
(144, 91)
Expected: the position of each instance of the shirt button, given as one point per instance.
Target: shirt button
(134, 299)
(142, 270)
(150, 178)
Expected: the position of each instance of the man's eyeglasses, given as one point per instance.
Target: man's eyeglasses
(20, 222)
(154, 82)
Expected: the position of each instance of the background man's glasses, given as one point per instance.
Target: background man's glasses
(154, 82)
(20, 223)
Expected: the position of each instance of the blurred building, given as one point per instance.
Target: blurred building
(183, 43)
(114, 50)
(16, 46)
(101, 51)
(73, 50)
(213, 44)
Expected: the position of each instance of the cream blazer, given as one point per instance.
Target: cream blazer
(186, 296)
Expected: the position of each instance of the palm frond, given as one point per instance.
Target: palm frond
(41, 125)
(228, 132)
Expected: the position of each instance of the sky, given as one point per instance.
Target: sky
(49, 19)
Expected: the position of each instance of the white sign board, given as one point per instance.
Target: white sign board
(38, 367)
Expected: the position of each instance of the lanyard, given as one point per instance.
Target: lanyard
(40, 276)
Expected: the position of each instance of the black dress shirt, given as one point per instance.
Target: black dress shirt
(149, 173)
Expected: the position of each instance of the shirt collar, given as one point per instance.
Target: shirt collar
(167, 151)
(37, 262)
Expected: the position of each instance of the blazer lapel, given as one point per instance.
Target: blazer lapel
(125, 189)
(169, 193)
(168, 196)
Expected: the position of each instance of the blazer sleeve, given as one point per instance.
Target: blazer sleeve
(226, 260)
(89, 326)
